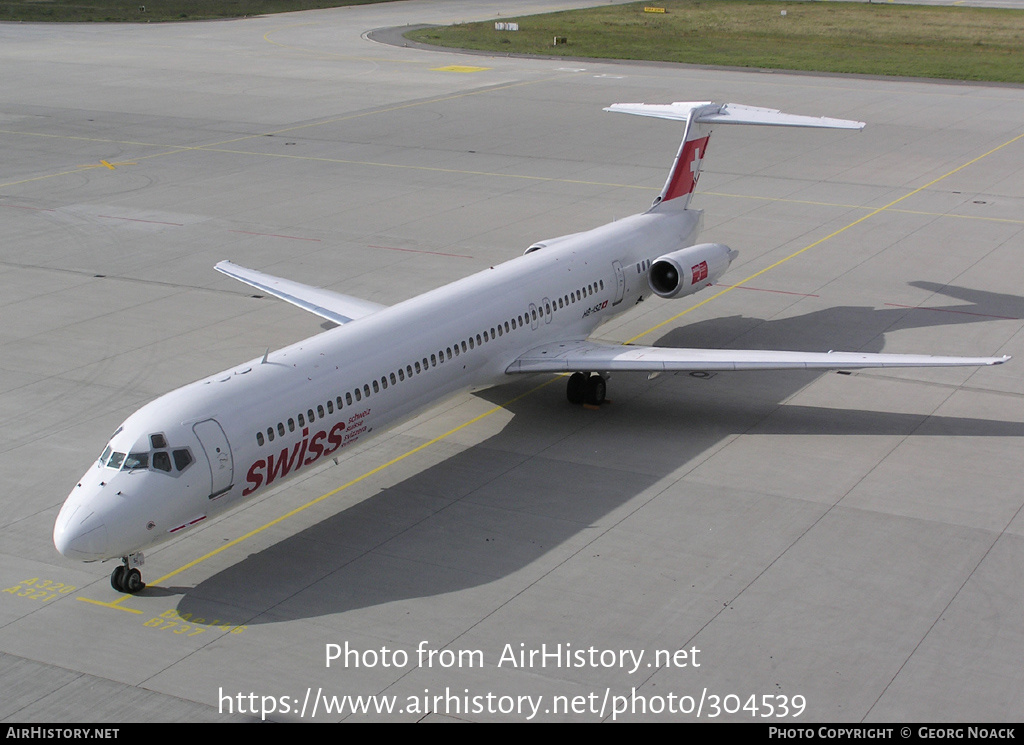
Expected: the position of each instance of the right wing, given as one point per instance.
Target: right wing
(589, 356)
(330, 305)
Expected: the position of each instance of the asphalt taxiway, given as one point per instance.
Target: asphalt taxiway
(748, 544)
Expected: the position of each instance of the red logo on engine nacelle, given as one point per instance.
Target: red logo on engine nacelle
(700, 272)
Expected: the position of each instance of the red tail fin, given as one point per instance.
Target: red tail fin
(685, 171)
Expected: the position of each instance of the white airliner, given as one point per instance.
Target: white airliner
(209, 446)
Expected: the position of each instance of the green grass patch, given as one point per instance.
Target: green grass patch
(161, 10)
(870, 38)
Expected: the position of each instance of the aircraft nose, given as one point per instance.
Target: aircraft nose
(80, 536)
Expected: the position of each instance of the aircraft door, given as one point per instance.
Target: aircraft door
(218, 453)
(620, 282)
(534, 320)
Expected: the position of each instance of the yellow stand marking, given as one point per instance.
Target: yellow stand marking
(115, 605)
(458, 68)
(106, 164)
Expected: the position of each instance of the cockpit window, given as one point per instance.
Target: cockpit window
(116, 459)
(136, 460)
(106, 454)
(162, 461)
(182, 459)
(157, 441)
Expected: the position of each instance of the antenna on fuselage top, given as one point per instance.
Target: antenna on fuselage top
(265, 355)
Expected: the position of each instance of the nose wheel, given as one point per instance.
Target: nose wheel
(127, 578)
(584, 388)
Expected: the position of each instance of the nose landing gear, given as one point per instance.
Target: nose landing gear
(127, 577)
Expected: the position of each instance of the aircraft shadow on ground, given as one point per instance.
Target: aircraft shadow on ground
(502, 504)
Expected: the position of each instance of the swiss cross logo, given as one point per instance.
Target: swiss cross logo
(687, 169)
(700, 272)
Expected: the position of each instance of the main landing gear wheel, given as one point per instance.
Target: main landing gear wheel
(585, 389)
(576, 388)
(127, 580)
(596, 388)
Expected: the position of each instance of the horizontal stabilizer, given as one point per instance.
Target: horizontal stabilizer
(705, 112)
(330, 305)
(587, 356)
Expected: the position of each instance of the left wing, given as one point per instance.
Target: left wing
(589, 356)
(330, 305)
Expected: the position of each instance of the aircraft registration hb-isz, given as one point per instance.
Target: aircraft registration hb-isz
(209, 446)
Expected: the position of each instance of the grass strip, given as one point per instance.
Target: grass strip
(961, 43)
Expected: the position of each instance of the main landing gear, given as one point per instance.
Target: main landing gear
(127, 577)
(586, 388)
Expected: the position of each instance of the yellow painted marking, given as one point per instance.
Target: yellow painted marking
(831, 235)
(116, 605)
(458, 68)
(105, 164)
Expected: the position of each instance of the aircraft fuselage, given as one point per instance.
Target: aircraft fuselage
(254, 426)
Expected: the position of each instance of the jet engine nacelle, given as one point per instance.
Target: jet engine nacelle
(688, 270)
